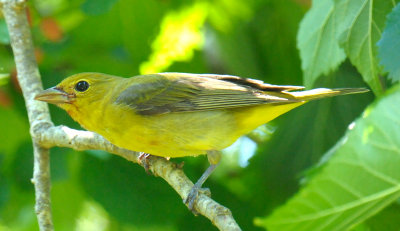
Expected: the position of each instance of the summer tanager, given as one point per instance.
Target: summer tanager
(177, 114)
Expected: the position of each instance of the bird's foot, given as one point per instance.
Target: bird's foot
(144, 161)
(193, 195)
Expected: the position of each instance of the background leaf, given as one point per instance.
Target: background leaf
(362, 23)
(358, 180)
(389, 45)
(319, 49)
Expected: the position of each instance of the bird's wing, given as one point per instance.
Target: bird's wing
(177, 92)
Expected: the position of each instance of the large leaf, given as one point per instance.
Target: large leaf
(319, 50)
(302, 137)
(362, 22)
(360, 178)
(389, 45)
(333, 28)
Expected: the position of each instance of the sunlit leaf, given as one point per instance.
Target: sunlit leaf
(362, 23)
(224, 14)
(319, 49)
(181, 33)
(355, 26)
(389, 45)
(359, 180)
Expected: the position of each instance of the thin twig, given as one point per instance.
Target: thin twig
(45, 135)
(29, 80)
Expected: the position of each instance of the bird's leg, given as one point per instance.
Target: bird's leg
(214, 158)
(143, 160)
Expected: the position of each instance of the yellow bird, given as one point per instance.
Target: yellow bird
(177, 114)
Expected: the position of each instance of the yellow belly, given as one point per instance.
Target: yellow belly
(186, 133)
(176, 134)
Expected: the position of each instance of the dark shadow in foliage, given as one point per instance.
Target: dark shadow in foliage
(22, 166)
(4, 183)
(128, 193)
(387, 219)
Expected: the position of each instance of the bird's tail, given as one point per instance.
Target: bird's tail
(324, 92)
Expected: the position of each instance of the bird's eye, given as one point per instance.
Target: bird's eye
(82, 86)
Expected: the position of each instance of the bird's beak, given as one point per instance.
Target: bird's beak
(54, 95)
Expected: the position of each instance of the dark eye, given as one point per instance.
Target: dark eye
(82, 86)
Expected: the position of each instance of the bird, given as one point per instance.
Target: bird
(177, 114)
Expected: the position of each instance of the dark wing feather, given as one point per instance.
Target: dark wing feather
(254, 83)
(178, 92)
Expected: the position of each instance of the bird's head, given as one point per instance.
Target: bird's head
(78, 91)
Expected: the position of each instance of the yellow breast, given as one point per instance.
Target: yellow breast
(180, 134)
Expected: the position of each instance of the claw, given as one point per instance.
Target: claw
(196, 189)
(191, 198)
(144, 161)
(193, 195)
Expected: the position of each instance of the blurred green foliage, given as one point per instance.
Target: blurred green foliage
(94, 190)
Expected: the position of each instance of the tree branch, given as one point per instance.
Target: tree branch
(29, 80)
(63, 136)
(45, 135)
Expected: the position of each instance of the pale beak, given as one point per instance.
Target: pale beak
(54, 95)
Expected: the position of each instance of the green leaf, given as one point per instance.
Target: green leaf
(389, 45)
(181, 34)
(360, 178)
(96, 7)
(362, 22)
(333, 28)
(319, 50)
